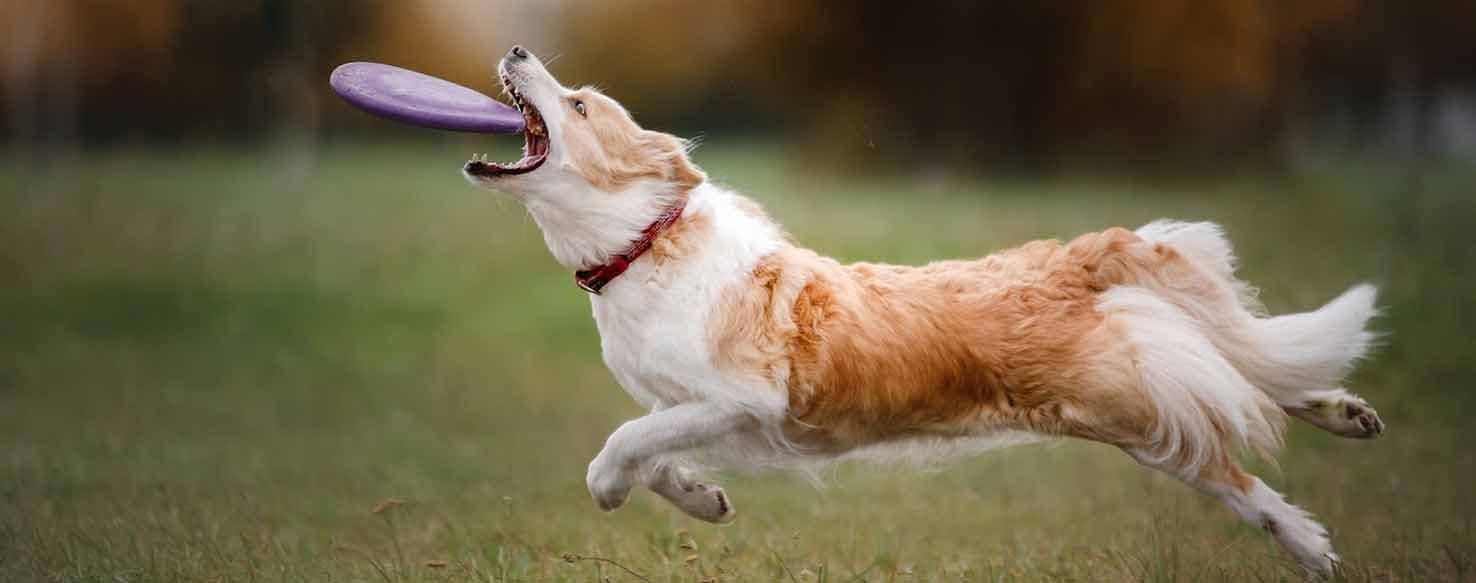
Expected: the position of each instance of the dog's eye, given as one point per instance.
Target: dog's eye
(579, 107)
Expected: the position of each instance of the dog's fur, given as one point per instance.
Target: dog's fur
(751, 351)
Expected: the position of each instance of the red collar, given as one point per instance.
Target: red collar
(596, 278)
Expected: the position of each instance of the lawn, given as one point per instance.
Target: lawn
(346, 364)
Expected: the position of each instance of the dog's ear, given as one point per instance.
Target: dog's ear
(665, 156)
(612, 152)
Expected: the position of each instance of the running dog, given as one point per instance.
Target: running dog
(753, 352)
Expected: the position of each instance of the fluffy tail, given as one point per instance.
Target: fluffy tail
(1303, 357)
(1205, 245)
(1294, 358)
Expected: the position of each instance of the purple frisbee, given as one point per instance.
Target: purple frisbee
(419, 99)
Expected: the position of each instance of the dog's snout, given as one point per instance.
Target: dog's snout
(517, 52)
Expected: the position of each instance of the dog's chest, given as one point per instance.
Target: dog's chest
(658, 355)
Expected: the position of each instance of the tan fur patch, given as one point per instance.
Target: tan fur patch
(1011, 341)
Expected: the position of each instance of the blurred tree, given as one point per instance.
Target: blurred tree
(1386, 69)
(1009, 86)
(1023, 86)
(1031, 87)
(163, 69)
(55, 52)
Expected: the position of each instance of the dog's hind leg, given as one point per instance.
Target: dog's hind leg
(1167, 395)
(1211, 470)
(1299, 360)
(1260, 506)
(1338, 412)
(1208, 468)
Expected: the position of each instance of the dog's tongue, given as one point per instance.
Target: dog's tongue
(419, 99)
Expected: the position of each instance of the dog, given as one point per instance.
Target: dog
(752, 352)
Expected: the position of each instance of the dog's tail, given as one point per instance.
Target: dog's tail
(1293, 358)
(1298, 358)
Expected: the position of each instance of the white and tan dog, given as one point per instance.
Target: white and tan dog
(751, 351)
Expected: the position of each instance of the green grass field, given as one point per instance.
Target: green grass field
(223, 365)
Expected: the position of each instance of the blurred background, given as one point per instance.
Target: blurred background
(1039, 87)
(249, 332)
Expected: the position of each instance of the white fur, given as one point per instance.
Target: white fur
(1190, 383)
(1229, 362)
(1313, 350)
(653, 338)
(1293, 527)
(627, 451)
(652, 321)
(1298, 360)
(1204, 244)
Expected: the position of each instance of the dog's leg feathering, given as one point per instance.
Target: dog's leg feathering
(1262, 507)
(1203, 409)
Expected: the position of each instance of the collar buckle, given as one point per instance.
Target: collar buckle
(585, 285)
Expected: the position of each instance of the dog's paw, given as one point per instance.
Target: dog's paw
(608, 485)
(1348, 416)
(1306, 540)
(1362, 420)
(1324, 566)
(705, 502)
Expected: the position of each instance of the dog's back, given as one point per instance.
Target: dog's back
(1145, 341)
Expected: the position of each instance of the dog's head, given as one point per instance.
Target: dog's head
(579, 143)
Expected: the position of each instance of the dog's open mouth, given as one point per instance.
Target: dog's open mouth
(535, 142)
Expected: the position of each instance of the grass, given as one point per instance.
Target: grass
(347, 365)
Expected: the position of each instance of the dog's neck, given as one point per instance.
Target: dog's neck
(584, 227)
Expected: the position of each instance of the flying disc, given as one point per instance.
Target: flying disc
(419, 99)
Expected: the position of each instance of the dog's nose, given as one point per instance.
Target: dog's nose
(517, 52)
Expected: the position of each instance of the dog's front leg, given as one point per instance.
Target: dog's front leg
(699, 500)
(689, 425)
